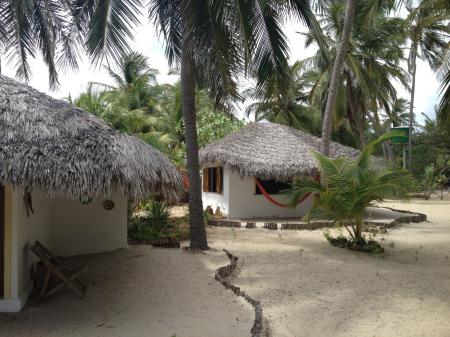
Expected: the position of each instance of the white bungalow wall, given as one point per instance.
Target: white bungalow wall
(239, 200)
(88, 228)
(245, 203)
(26, 230)
(67, 228)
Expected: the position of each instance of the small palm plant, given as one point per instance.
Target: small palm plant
(348, 187)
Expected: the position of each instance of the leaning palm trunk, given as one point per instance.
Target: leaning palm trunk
(335, 77)
(387, 149)
(412, 70)
(196, 222)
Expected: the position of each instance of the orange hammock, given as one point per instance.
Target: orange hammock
(273, 201)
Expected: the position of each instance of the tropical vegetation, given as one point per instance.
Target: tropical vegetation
(133, 102)
(347, 188)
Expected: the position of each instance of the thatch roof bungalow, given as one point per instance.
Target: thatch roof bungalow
(65, 177)
(244, 172)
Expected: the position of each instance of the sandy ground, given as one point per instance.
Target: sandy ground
(309, 288)
(140, 292)
(306, 286)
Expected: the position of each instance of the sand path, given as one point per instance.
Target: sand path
(306, 286)
(309, 288)
(140, 292)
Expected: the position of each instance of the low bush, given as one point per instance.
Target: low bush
(367, 246)
(158, 214)
(345, 190)
(156, 224)
(153, 225)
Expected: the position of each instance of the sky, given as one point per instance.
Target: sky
(146, 41)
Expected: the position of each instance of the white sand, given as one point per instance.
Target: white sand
(309, 288)
(306, 286)
(141, 292)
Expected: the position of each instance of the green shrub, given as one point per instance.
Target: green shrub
(153, 225)
(367, 246)
(158, 214)
(347, 188)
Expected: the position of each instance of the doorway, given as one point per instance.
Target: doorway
(2, 241)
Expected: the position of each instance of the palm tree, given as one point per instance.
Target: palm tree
(167, 120)
(443, 110)
(371, 64)
(368, 11)
(211, 42)
(113, 110)
(429, 33)
(90, 101)
(397, 113)
(349, 188)
(126, 103)
(336, 75)
(288, 107)
(28, 27)
(132, 82)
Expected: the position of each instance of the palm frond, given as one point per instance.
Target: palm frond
(108, 25)
(18, 27)
(166, 14)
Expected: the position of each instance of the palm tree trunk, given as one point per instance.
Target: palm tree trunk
(411, 104)
(335, 77)
(359, 240)
(387, 149)
(196, 221)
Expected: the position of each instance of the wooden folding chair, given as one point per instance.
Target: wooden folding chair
(65, 276)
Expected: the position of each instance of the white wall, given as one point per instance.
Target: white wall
(25, 231)
(245, 203)
(66, 227)
(215, 199)
(84, 229)
(239, 200)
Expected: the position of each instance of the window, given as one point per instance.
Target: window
(212, 179)
(271, 186)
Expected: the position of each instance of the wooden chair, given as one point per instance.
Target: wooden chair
(64, 276)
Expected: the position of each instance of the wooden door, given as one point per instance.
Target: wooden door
(2, 241)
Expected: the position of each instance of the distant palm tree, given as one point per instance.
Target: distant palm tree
(397, 112)
(133, 81)
(91, 101)
(371, 65)
(336, 75)
(289, 107)
(113, 111)
(429, 33)
(168, 120)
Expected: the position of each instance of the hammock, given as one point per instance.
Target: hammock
(273, 201)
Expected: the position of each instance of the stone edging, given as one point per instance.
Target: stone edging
(413, 217)
(160, 243)
(221, 276)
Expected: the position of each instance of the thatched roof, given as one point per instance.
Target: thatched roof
(270, 151)
(51, 145)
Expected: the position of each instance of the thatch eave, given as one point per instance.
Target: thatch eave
(270, 151)
(62, 150)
